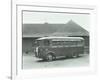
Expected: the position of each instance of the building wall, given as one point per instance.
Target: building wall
(27, 44)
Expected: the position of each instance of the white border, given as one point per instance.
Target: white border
(55, 72)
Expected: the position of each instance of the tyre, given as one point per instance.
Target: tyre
(44, 59)
(49, 57)
(75, 55)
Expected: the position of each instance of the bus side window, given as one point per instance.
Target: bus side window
(71, 43)
(55, 43)
(79, 43)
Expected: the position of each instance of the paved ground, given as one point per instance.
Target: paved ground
(30, 62)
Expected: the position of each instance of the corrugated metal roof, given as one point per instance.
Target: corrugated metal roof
(41, 30)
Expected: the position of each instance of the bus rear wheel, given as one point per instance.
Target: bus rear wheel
(49, 57)
(75, 55)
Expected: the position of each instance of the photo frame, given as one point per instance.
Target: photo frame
(17, 71)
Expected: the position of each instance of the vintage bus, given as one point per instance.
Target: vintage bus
(49, 48)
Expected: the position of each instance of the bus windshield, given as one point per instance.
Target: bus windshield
(46, 42)
(42, 43)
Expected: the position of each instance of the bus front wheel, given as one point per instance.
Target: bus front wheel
(49, 57)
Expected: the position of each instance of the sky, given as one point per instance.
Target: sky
(56, 18)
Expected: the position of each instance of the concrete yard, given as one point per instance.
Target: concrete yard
(31, 62)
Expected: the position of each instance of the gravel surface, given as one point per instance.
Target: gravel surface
(31, 62)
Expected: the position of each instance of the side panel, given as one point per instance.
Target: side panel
(66, 51)
(59, 51)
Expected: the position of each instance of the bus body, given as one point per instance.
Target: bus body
(49, 48)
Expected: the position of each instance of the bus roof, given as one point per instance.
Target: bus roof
(61, 38)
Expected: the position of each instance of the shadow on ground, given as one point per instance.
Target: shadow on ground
(57, 59)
